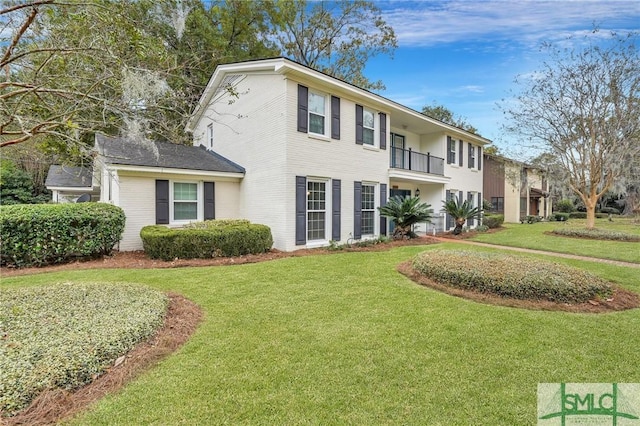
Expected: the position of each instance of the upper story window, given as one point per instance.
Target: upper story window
(317, 113)
(451, 150)
(368, 127)
(472, 156)
(210, 135)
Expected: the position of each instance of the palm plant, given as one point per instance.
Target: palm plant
(461, 212)
(405, 212)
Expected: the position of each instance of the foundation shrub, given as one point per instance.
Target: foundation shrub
(64, 335)
(493, 220)
(205, 240)
(42, 234)
(511, 276)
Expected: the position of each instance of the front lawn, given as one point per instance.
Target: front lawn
(533, 236)
(345, 339)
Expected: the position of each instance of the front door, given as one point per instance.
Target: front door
(392, 193)
(397, 151)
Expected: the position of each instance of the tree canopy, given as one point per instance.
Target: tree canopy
(444, 114)
(583, 108)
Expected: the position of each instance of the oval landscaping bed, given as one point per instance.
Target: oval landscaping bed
(517, 281)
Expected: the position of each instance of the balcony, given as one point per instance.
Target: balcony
(406, 159)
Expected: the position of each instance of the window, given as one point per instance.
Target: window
(472, 156)
(368, 127)
(185, 201)
(497, 203)
(316, 210)
(451, 150)
(368, 209)
(210, 136)
(317, 112)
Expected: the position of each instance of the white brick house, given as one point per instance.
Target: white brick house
(306, 154)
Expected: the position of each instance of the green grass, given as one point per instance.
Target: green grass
(345, 339)
(533, 236)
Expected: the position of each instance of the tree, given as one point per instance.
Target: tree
(334, 37)
(461, 212)
(406, 212)
(583, 108)
(444, 114)
(17, 187)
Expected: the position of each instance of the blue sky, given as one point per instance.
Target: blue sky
(465, 54)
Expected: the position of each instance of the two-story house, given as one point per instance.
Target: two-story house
(515, 189)
(304, 153)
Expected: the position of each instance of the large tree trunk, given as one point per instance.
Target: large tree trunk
(591, 211)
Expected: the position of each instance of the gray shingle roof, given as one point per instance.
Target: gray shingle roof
(69, 177)
(123, 151)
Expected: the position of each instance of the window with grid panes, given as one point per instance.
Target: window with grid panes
(368, 209)
(317, 112)
(185, 201)
(368, 127)
(316, 210)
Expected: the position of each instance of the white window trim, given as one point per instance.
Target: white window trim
(453, 153)
(376, 126)
(199, 203)
(327, 113)
(376, 213)
(327, 213)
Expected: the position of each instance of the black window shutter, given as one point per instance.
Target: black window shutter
(301, 210)
(357, 210)
(383, 130)
(460, 195)
(162, 202)
(480, 203)
(460, 151)
(472, 221)
(449, 143)
(335, 208)
(448, 218)
(335, 117)
(209, 200)
(470, 159)
(303, 108)
(479, 158)
(359, 124)
(383, 202)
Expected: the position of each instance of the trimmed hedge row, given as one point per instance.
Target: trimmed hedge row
(205, 240)
(511, 276)
(42, 234)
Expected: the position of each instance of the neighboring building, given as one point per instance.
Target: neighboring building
(306, 154)
(68, 184)
(515, 189)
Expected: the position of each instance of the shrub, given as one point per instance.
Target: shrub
(493, 220)
(596, 234)
(206, 240)
(482, 228)
(63, 335)
(561, 217)
(565, 206)
(609, 210)
(41, 234)
(531, 219)
(578, 215)
(511, 276)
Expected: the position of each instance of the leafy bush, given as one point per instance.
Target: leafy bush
(561, 217)
(493, 220)
(61, 336)
(578, 215)
(482, 228)
(511, 276)
(531, 219)
(565, 206)
(206, 240)
(596, 234)
(609, 210)
(41, 234)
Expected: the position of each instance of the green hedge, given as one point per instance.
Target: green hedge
(511, 276)
(561, 217)
(206, 240)
(493, 220)
(41, 234)
(583, 215)
(596, 234)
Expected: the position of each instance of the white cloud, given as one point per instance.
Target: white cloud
(435, 22)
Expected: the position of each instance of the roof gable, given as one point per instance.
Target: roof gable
(69, 177)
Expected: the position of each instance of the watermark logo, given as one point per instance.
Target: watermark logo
(565, 404)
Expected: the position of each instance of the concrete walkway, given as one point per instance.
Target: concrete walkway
(548, 253)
